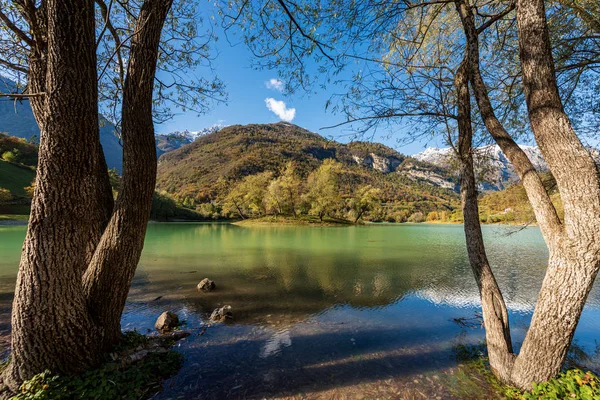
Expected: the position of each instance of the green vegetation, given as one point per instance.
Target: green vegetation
(15, 178)
(323, 195)
(17, 150)
(14, 217)
(18, 158)
(365, 200)
(255, 170)
(508, 206)
(572, 384)
(165, 208)
(512, 206)
(5, 195)
(474, 369)
(289, 196)
(115, 379)
(301, 220)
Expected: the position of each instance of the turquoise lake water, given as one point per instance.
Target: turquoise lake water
(317, 307)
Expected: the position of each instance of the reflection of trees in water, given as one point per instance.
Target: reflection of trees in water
(276, 274)
(286, 275)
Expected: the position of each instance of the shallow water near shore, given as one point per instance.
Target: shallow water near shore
(319, 309)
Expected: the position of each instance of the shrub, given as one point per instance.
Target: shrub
(416, 217)
(9, 156)
(573, 384)
(5, 194)
(111, 381)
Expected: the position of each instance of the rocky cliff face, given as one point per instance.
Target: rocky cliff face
(494, 170)
(387, 161)
(166, 142)
(379, 163)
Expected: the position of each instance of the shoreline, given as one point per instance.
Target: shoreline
(290, 221)
(287, 221)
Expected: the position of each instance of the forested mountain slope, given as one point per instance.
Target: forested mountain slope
(205, 170)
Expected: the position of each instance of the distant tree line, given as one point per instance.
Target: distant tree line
(328, 192)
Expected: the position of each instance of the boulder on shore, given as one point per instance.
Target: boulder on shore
(167, 322)
(221, 314)
(206, 285)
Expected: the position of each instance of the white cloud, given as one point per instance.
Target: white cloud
(280, 109)
(275, 84)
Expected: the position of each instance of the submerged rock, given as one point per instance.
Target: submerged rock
(206, 285)
(167, 322)
(175, 335)
(221, 314)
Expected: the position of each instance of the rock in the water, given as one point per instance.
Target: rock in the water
(167, 322)
(206, 285)
(221, 314)
(175, 335)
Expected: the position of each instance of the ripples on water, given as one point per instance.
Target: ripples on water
(317, 308)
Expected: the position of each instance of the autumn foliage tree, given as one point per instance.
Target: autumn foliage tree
(323, 194)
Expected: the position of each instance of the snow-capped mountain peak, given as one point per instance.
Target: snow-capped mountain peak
(193, 135)
(491, 165)
(166, 142)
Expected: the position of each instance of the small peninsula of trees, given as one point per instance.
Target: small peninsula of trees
(319, 195)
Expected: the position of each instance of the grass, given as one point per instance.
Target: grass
(474, 379)
(301, 220)
(15, 177)
(112, 380)
(14, 217)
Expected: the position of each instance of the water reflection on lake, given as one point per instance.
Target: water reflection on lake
(317, 308)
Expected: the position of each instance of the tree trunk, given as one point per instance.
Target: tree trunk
(239, 210)
(544, 210)
(51, 328)
(575, 255)
(361, 212)
(100, 207)
(74, 275)
(109, 276)
(575, 245)
(495, 314)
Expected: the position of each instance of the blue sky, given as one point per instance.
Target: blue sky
(248, 91)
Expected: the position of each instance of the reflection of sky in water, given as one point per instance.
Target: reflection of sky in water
(349, 301)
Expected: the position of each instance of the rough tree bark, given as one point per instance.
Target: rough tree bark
(575, 254)
(544, 210)
(51, 327)
(74, 274)
(495, 314)
(102, 203)
(574, 245)
(109, 275)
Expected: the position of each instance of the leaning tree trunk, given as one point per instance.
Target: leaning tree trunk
(109, 275)
(495, 314)
(101, 204)
(575, 255)
(544, 210)
(51, 327)
(574, 245)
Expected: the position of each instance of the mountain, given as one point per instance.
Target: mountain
(166, 142)
(198, 170)
(172, 141)
(491, 165)
(16, 119)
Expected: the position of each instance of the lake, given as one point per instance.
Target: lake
(317, 309)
